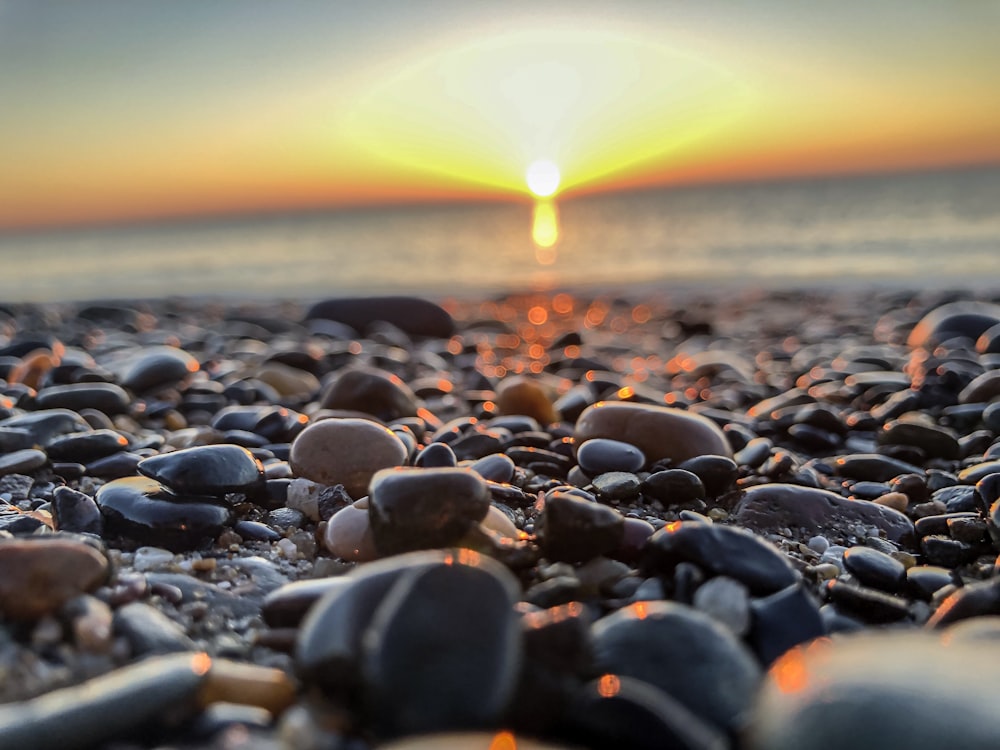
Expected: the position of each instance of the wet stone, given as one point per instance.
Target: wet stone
(47, 424)
(576, 530)
(945, 551)
(867, 604)
(436, 456)
(684, 653)
(934, 441)
(495, 467)
(873, 467)
(601, 455)
(954, 319)
(345, 451)
(719, 550)
(86, 446)
(145, 511)
(411, 509)
(977, 472)
(923, 580)
(658, 431)
(875, 569)
(206, 470)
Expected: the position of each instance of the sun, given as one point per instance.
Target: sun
(542, 177)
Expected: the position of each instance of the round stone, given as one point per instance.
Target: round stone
(22, 462)
(345, 451)
(875, 569)
(371, 391)
(660, 432)
(674, 487)
(410, 314)
(601, 455)
(349, 534)
(157, 367)
(106, 397)
(521, 395)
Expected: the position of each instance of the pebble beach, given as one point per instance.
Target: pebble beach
(660, 518)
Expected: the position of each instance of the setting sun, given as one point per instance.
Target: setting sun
(542, 178)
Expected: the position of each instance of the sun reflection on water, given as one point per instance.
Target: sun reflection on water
(545, 231)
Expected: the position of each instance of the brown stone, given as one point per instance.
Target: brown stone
(658, 431)
(771, 507)
(345, 451)
(40, 575)
(520, 395)
(288, 381)
(372, 391)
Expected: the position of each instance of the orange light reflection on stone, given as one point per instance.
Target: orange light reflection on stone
(609, 686)
(503, 741)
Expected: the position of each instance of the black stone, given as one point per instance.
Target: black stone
(974, 600)
(684, 653)
(436, 455)
(413, 315)
(783, 620)
(106, 397)
(158, 367)
(976, 473)
(414, 509)
(674, 487)
(46, 425)
(934, 441)
(617, 485)
(923, 580)
(575, 530)
(875, 569)
(84, 447)
(719, 550)
(207, 470)
(495, 467)
(945, 551)
(601, 455)
(76, 511)
(146, 512)
(869, 605)
(717, 473)
(149, 631)
(873, 467)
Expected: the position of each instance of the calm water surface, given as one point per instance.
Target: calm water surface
(940, 229)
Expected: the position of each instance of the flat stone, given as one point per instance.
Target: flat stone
(41, 574)
(345, 451)
(84, 447)
(660, 432)
(106, 397)
(876, 569)
(157, 367)
(964, 318)
(934, 441)
(770, 507)
(983, 388)
(22, 461)
(877, 690)
(410, 314)
(206, 470)
(719, 551)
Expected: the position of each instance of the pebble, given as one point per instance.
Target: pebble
(601, 455)
(22, 461)
(727, 600)
(674, 487)
(75, 511)
(145, 511)
(953, 319)
(575, 530)
(875, 569)
(157, 367)
(659, 432)
(525, 396)
(684, 653)
(782, 621)
(345, 451)
(349, 534)
(866, 690)
(372, 391)
(43, 573)
(411, 509)
(413, 315)
(206, 470)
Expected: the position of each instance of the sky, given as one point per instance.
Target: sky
(123, 110)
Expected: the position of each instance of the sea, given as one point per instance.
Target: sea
(918, 230)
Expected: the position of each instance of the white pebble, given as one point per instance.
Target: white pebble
(149, 558)
(287, 548)
(819, 544)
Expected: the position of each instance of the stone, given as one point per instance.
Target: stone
(411, 509)
(983, 388)
(106, 397)
(953, 319)
(783, 620)
(934, 441)
(719, 550)
(207, 470)
(717, 473)
(75, 511)
(349, 535)
(873, 467)
(674, 487)
(576, 530)
(84, 447)
(156, 367)
(149, 631)
(684, 653)
(660, 432)
(345, 451)
(770, 507)
(877, 690)
(371, 391)
(45, 425)
(413, 315)
(147, 512)
(43, 573)
(443, 649)
(22, 461)
(973, 600)
(727, 601)
(602, 455)
(875, 569)
(518, 394)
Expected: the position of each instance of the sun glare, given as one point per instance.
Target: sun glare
(542, 178)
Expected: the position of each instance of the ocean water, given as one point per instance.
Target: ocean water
(916, 230)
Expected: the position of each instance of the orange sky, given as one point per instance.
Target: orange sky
(119, 111)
